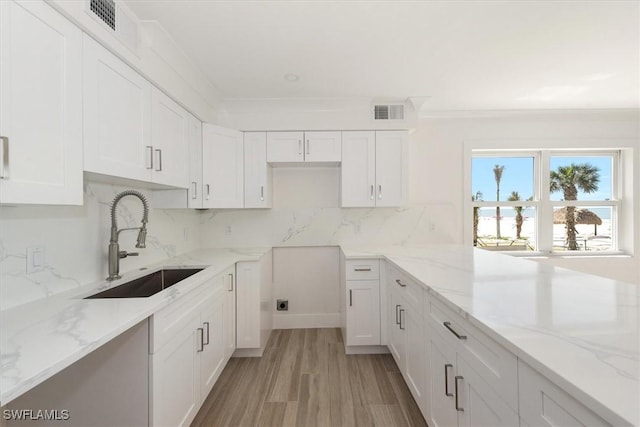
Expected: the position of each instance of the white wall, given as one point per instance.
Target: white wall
(308, 277)
(76, 240)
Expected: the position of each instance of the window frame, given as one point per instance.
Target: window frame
(542, 151)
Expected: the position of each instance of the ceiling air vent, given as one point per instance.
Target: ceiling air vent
(106, 11)
(388, 112)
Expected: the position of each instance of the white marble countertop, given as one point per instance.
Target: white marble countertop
(579, 330)
(39, 339)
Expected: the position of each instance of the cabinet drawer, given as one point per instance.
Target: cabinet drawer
(363, 269)
(408, 288)
(542, 403)
(497, 366)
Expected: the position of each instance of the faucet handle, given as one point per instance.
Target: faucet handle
(124, 254)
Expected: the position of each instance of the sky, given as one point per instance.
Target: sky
(518, 176)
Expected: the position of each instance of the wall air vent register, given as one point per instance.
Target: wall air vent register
(388, 112)
(106, 11)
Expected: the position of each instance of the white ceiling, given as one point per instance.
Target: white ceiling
(464, 55)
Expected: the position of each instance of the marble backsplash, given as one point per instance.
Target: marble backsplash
(325, 226)
(76, 239)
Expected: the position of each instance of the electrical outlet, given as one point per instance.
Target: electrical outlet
(228, 230)
(282, 305)
(36, 258)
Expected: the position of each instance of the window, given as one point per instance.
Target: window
(546, 200)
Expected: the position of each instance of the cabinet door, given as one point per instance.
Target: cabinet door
(416, 364)
(248, 327)
(222, 167)
(397, 337)
(169, 124)
(322, 147)
(441, 410)
(117, 116)
(391, 168)
(542, 403)
(176, 377)
(257, 174)
(479, 404)
(194, 135)
(358, 170)
(40, 105)
(230, 313)
(285, 147)
(363, 312)
(212, 358)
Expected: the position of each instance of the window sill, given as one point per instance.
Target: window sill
(574, 254)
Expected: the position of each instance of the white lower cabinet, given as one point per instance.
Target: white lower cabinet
(471, 380)
(360, 303)
(363, 312)
(190, 342)
(254, 290)
(542, 403)
(406, 332)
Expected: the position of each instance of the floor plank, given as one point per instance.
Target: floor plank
(305, 379)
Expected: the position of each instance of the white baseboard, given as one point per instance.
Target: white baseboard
(366, 349)
(306, 321)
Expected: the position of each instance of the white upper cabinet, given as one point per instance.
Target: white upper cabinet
(194, 137)
(40, 106)
(284, 147)
(304, 147)
(222, 167)
(117, 116)
(131, 129)
(323, 147)
(374, 168)
(169, 124)
(257, 174)
(358, 182)
(391, 168)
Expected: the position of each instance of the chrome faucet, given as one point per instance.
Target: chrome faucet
(114, 249)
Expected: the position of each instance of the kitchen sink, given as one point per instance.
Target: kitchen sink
(148, 285)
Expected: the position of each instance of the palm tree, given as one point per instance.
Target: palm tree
(569, 179)
(476, 217)
(497, 173)
(514, 197)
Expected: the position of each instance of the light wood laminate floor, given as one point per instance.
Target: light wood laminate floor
(305, 379)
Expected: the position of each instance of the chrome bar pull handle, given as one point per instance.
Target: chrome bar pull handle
(458, 377)
(195, 190)
(262, 193)
(400, 283)
(380, 192)
(4, 162)
(446, 379)
(300, 147)
(230, 289)
(362, 269)
(397, 307)
(308, 147)
(150, 154)
(350, 298)
(401, 316)
(206, 324)
(201, 332)
(159, 168)
(208, 191)
(450, 328)
(371, 196)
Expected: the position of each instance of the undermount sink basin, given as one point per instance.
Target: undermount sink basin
(148, 285)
